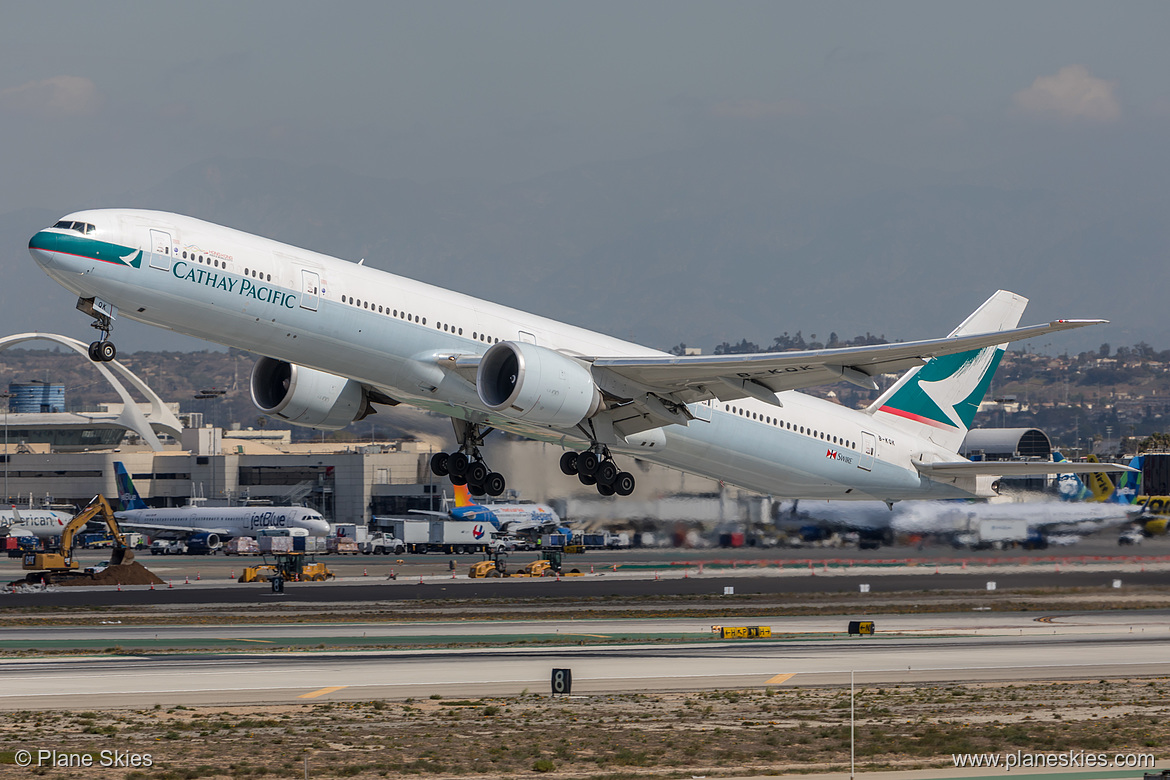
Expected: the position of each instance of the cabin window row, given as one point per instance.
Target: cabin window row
(443, 326)
(777, 423)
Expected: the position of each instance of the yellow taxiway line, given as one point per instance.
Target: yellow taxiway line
(321, 692)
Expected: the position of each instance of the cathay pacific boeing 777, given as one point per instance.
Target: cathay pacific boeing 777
(338, 338)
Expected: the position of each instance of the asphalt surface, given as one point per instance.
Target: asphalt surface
(571, 588)
(953, 649)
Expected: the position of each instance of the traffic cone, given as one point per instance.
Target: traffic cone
(656, 576)
(152, 586)
(119, 587)
(365, 573)
(197, 577)
(936, 568)
(187, 580)
(590, 568)
(170, 584)
(233, 574)
(420, 579)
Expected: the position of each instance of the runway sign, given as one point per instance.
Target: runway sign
(562, 681)
(861, 627)
(746, 632)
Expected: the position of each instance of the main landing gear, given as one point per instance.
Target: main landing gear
(596, 467)
(466, 465)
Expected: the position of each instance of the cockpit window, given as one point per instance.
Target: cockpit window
(80, 227)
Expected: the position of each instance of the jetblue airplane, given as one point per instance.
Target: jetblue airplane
(338, 338)
(208, 527)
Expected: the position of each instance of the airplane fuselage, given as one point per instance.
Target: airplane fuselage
(392, 333)
(224, 521)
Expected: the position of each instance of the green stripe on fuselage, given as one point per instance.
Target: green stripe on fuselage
(86, 247)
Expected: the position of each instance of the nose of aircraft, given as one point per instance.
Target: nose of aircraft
(39, 246)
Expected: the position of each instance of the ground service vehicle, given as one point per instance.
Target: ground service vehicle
(43, 566)
(384, 543)
(291, 567)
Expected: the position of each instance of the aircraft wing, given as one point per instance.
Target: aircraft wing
(443, 515)
(656, 388)
(225, 533)
(1011, 468)
(728, 377)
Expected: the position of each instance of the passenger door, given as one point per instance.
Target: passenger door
(868, 451)
(310, 289)
(160, 250)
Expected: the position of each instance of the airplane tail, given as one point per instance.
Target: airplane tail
(1129, 483)
(938, 400)
(1070, 487)
(126, 491)
(462, 496)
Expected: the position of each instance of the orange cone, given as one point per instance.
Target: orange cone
(365, 573)
(186, 580)
(197, 578)
(170, 584)
(152, 586)
(233, 574)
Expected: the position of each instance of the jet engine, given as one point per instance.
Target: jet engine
(305, 396)
(204, 544)
(536, 385)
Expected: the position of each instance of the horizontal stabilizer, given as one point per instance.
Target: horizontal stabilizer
(1011, 468)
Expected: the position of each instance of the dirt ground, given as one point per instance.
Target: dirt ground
(758, 731)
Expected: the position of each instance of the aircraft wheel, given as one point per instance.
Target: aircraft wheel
(477, 473)
(624, 484)
(494, 484)
(569, 464)
(605, 490)
(107, 351)
(457, 464)
(475, 489)
(587, 464)
(94, 354)
(458, 480)
(439, 464)
(586, 480)
(606, 473)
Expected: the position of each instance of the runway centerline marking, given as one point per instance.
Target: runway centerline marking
(321, 692)
(779, 679)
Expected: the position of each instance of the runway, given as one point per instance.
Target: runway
(809, 651)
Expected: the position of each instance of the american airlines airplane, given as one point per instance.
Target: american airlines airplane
(338, 338)
(41, 523)
(206, 527)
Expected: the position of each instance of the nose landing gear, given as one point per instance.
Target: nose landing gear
(102, 350)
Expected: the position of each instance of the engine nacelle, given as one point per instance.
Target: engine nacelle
(305, 396)
(203, 544)
(536, 385)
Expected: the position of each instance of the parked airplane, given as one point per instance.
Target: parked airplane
(878, 523)
(41, 523)
(208, 527)
(525, 520)
(338, 337)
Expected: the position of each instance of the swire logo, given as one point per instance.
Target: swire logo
(835, 455)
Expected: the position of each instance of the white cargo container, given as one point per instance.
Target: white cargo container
(415, 534)
(352, 532)
(459, 537)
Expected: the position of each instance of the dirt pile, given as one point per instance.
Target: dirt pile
(124, 574)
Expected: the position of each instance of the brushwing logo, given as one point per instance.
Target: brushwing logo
(946, 391)
(478, 531)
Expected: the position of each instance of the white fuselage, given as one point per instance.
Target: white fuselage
(41, 523)
(225, 522)
(273, 299)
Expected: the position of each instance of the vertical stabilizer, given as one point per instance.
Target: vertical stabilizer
(938, 401)
(126, 492)
(463, 496)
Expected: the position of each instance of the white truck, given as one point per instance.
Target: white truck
(383, 543)
(460, 537)
(995, 534)
(352, 532)
(415, 534)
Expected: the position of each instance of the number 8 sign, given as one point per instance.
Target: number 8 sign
(562, 681)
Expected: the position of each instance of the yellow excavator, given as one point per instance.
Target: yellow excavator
(43, 566)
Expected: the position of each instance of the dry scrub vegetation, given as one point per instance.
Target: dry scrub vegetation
(770, 731)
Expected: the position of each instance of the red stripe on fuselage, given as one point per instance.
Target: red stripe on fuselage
(915, 417)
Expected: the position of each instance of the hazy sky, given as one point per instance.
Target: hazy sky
(862, 102)
(99, 98)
